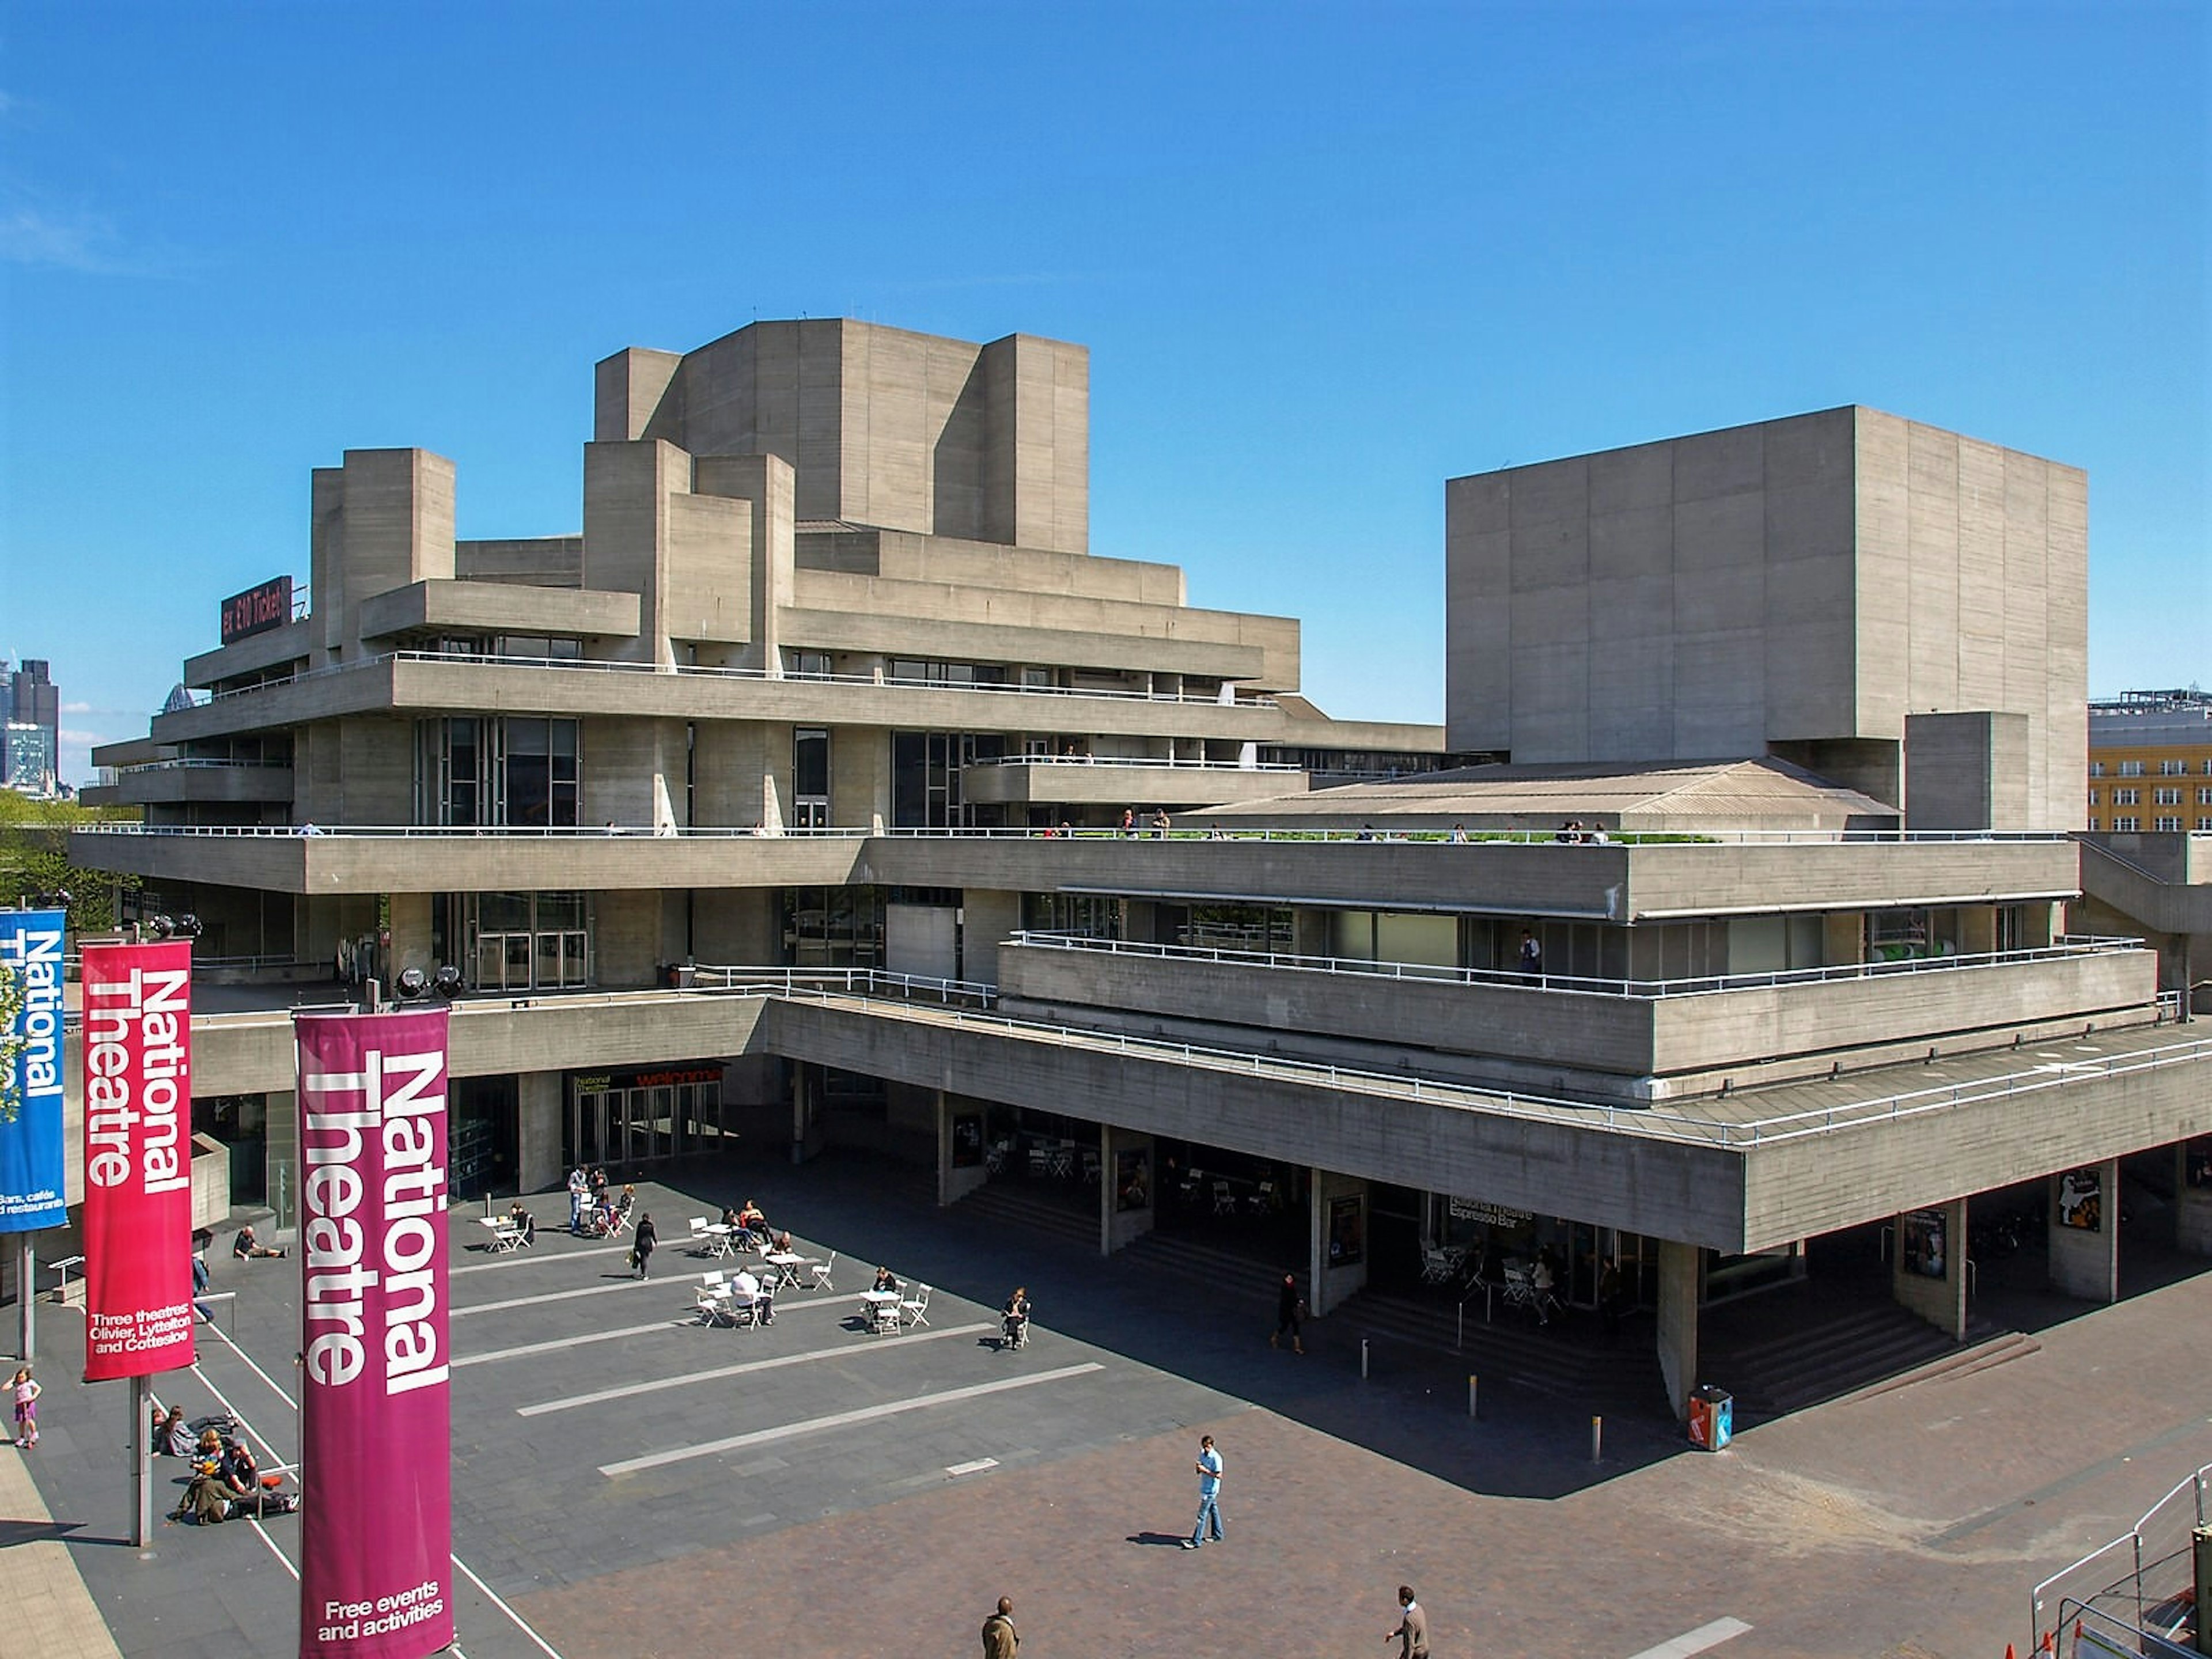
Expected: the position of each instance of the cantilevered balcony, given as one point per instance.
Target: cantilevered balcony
(192, 783)
(1665, 1036)
(1120, 781)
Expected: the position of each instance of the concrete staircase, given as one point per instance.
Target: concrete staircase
(1014, 1206)
(1781, 1352)
(1566, 1360)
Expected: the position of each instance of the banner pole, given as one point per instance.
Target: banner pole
(27, 1323)
(142, 1476)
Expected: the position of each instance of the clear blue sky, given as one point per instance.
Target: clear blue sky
(1324, 257)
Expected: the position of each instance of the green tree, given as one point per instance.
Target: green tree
(35, 859)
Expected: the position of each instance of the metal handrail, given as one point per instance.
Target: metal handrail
(1211, 833)
(599, 664)
(2065, 948)
(1145, 761)
(1659, 1121)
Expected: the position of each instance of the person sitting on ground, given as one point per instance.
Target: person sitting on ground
(171, 1438)
(886, 1280)
(246, 1246)
(239, 1473)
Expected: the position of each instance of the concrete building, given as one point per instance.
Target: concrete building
(828, 789)
(1799, 588)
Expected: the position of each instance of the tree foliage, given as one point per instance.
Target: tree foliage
(35, 859)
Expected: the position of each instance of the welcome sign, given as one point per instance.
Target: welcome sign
(31, 1145)
(137, 1159)
(376, 1540)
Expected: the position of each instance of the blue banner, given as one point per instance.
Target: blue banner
(31, 1146)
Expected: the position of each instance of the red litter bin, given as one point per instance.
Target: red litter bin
(1712, 1414)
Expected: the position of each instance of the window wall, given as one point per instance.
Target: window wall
(497, 773)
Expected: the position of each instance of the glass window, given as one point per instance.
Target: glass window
(2172, 768)
(2096, 768)
(2167, 796)
(2126, 825)
(2125, 797)
(2168, 825)
(2132, 768)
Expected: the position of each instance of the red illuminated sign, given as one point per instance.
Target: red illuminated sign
(258, 609)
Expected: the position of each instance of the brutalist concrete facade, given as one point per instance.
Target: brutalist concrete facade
(1795, 588)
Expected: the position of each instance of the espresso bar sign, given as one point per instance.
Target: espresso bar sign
(258, 609)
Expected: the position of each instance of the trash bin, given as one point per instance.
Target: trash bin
(1712, 1414)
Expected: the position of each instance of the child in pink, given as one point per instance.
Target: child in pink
(27, 1408)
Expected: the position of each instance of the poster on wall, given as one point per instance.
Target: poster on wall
(137, 1159)
(31, 1141)
(1925, 1251)
(2081, 1199)
(1132, 1179)
(967, 1139)
(375, 1564)
(1347, 1242)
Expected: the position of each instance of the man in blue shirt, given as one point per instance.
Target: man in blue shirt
(1209, 1494)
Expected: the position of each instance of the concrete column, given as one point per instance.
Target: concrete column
(1939, 1297)
(410, 935)
(955, 1182)
(987, 915)
(2192, 1205)
(537, 1131)
(280, 1152)
(1678, 1322)
(1336, 1265)
(2084, 1261)
(805, 1114)
(1118, 1226)
(860, 777)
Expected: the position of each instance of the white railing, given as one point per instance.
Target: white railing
(1151, 762)
(2066, 948)
(1662, 1122)
(600, 665)
(1211, 833)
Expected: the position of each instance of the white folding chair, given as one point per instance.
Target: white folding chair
(1224, 1201)
(916, 1307)
(713, 1301)
(1435, 1265)
(887, 1315)
(821, 1272)
(702, 1242)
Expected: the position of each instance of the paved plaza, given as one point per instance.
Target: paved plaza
(630, 1482)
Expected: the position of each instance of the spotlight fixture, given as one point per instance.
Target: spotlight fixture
(412, 983)
(188, 925)
(447, 981)
(160, 927)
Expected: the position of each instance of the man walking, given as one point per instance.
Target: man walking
(1412, 1635)
(999, 1638)
(1209, 1494)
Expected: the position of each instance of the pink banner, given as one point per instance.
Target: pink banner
(137, 1159)
(376, 1527)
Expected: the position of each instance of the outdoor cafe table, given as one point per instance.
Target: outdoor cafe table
(504, 1233)
(787, 1264)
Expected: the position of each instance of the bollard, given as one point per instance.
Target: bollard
(1363, 1359)
(1459, 1342)
(1597, 1439)
(1471, 1411)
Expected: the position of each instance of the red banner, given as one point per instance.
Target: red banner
(137, 1159)
(376, 1529)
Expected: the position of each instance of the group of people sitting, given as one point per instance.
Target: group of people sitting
(1574, 831)
(749, 1228)
(595, 1210)
(225, 1483)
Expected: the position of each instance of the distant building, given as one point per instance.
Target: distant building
(30, 758)
(2150, 762)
